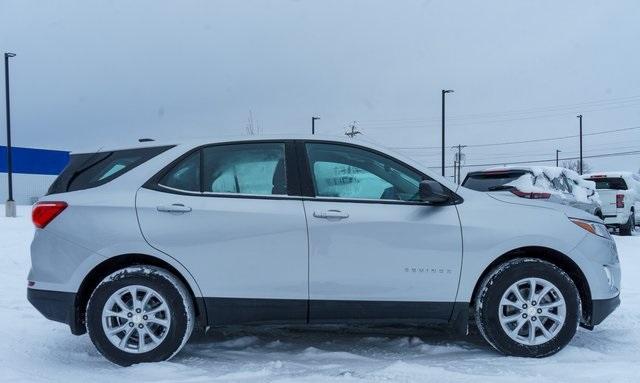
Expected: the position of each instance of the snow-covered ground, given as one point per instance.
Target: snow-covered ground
(34, 349)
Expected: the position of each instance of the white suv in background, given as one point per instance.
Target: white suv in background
(141, 246)
(620, 197)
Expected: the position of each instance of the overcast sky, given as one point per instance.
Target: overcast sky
(94, 73)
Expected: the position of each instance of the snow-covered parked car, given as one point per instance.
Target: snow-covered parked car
(553, 184)
(141, 246)
(620, 196)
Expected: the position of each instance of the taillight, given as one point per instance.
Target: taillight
(619, 200)
(44, 212)
(533, 195)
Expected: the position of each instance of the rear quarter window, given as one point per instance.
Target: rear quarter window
(85, 171)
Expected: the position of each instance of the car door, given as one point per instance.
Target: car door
(231, 215)
(375, 251)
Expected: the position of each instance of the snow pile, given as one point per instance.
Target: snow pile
(547, 179)
(34, 349)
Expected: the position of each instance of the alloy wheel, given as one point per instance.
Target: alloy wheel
(532, 311)
(136, 319)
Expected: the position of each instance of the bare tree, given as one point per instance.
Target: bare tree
(253, 127)
(575, 166)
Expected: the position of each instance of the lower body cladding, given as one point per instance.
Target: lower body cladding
(61, 307)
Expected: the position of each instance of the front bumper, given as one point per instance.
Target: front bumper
(57, 306)
(602, 308)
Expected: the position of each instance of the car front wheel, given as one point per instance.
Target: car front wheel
(528, 307)
(140, 314)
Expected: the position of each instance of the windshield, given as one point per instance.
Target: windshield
(490, 181)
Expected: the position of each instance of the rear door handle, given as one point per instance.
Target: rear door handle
(331, 214)
(174, 208)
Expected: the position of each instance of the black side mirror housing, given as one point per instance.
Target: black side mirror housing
(433, 193)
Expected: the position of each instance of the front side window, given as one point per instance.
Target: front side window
(256, 169)
(341, 171)
(185, 175)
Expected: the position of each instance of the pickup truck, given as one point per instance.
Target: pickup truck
(620, 196)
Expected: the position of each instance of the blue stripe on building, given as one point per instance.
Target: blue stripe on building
(34, 161)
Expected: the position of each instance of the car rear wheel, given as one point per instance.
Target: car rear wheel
(140, 314)
(527, 307)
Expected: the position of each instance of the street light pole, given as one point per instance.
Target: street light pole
(313, 124)
(557, 151)
(444, 91)
(580, 164)
(10, 206)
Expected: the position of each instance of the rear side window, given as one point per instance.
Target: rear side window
(612, 183)
(249, 169)
(488, 181)
(559, 184)
(86, 171)
(257, 169)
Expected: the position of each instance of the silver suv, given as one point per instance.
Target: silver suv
(142, 246)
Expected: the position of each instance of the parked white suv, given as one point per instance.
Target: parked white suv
(142, 246)
(620, 196)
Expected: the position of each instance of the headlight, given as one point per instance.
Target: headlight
(593, 227)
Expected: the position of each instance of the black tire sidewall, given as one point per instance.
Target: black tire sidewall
(177, 328)
(501, 281)
(628, 227)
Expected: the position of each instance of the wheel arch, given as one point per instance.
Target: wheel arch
(554, 257)
(110, 265)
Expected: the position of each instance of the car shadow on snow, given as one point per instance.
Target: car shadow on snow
(325, 342)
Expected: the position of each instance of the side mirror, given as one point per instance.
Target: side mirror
(433, 193)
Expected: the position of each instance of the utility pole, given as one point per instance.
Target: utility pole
(580, 164)
(10, 206)
(313, 124)
(353, 132)
(444, 91)
(557, 151)
(457, 164)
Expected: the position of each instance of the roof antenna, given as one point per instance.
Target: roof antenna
(354, 130)
(145, 140)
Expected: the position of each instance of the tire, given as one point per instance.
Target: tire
(599, 215)
(164, 322)
(489, 310)
(628, 227)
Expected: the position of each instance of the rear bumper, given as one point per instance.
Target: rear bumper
(602, 308)
(615, 220)
(57, 306)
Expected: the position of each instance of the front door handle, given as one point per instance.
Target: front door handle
(174, 208)
(331, 214)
